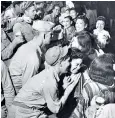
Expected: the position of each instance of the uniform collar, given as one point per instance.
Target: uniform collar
(55, 74)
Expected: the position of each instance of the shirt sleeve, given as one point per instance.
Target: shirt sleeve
(13, 21)
(7, 52)
(7, 86)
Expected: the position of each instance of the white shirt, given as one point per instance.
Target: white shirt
(104, 32)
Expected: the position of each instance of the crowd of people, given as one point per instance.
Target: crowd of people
(57, 61)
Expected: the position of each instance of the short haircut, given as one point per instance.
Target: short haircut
(101, 69)
(16, 3)
(56, 5)
(85, 41)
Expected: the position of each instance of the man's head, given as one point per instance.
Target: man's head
(56, 10)
(39, 4)
(47, 38)
(73, 13)
(58, 56)
(43, 39)
(67, 21)
(30, 10)
(16, 6)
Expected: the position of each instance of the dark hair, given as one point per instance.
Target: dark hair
(69, 17)
(56, 5)
(84, 18)
(84, 39)
(75, 53)
(102, 18)
(101, 69)
(72, 9)
(16, 3)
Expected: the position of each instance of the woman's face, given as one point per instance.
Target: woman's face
(73, 14)
(76, 65)
(100, 25)
(75, 43)
(80, 25)
(67, 23)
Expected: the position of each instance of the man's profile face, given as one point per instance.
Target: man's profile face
(31, 12)
(65, 65)
(56, 10)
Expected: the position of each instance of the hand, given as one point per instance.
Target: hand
(3, 112)
(61, 35)
(66, 82)
(56, 28)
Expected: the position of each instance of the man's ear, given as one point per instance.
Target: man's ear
(86, 26)
(71, 22)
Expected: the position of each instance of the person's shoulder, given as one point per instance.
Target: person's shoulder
(17, 27)
(105, 31)
(48, 16)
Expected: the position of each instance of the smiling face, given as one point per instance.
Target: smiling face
(76, 65)
(100, 25)
(73, 14)
(67, 23)
(80, 25)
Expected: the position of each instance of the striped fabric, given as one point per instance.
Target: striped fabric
(91, 89)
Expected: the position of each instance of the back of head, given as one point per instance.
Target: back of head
(84, 40)
(55, 55)
(16, 3)
(101, 69)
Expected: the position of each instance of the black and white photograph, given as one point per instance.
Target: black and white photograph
(57, 59)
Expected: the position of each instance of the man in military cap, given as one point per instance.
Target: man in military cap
(25, 27)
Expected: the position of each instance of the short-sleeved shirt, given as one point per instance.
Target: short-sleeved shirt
(41, 91)
(24, 64)
(26, 30)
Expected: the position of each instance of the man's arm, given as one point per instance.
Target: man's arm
(55, 105)
(8, 89)
(7, 52)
